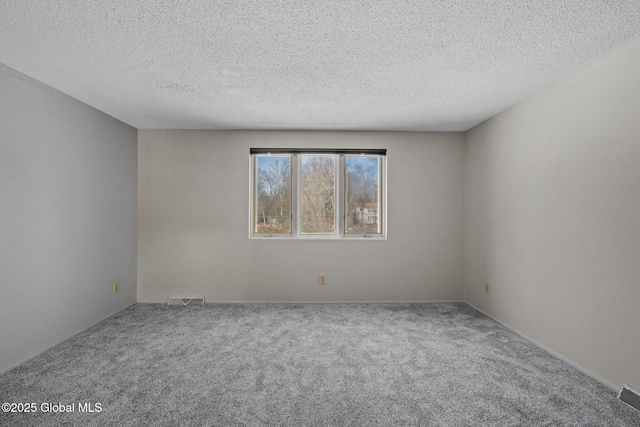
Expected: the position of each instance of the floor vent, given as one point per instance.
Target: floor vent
(630, 396)
(185, 300)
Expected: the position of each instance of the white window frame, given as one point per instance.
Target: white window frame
(339, 194)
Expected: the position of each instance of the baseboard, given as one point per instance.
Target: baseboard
(208, 302)
(69, 337)
(553, 353)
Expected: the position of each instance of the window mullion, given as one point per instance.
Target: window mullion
(339, 195)
(295, 195)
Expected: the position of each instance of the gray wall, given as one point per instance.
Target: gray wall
(193, 222)
(552, 217)
(67, 216)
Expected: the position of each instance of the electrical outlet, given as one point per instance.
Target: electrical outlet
(323, 279)
(487, 288)
(116, 287)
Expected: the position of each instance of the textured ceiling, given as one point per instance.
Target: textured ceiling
(337, 64)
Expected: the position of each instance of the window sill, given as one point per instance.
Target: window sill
(316, 237)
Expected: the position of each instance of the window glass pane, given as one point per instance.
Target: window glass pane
(317, 194)
(273, 195)
(362, 201)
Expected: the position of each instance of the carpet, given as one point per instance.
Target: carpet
(427, 364)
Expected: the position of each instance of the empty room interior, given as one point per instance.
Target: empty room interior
(452, 237)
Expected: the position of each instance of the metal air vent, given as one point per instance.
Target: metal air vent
(630, 396)
(186, 300)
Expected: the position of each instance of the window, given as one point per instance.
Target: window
(273, 195)
(317, 193)
(362, 194)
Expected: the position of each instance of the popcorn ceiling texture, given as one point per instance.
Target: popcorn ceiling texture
(252, 64)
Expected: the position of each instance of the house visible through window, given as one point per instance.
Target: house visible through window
(317, 193)
(362, 194)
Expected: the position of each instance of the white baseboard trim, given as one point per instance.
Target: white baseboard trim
(553, 353)
(209, 302)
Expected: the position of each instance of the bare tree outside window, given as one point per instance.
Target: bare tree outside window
(317, 194)
(273, 194)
